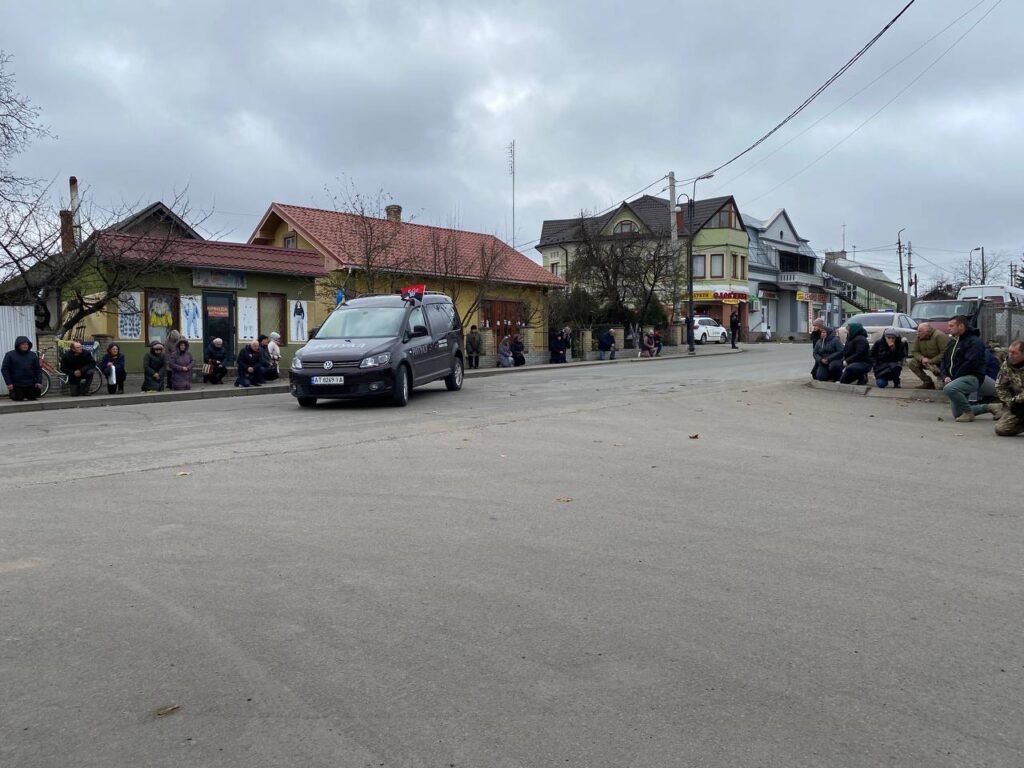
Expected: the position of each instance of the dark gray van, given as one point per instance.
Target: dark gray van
(377, 346)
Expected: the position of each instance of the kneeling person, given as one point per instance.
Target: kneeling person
(1010, 390)
(887, 356)
(963, 369)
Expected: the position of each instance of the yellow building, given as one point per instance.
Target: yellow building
(493, 285)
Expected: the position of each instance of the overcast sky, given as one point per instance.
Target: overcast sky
(251, 102)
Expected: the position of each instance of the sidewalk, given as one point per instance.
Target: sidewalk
(869, 390)
(210, 391)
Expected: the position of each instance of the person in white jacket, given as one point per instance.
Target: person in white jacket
(274, 347)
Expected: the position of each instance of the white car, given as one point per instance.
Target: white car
(708, 329)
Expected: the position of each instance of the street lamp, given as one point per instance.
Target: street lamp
(970, 265)
(690, 350)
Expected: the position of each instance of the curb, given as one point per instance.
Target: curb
(922, 395)
(102, 401)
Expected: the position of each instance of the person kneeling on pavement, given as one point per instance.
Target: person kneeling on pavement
(1010, 390)
(214, 369)
(154, 368)
(963, 370)
(606, 345)
(828, 353)
(926, 354)
(267, 359)
(80, 367)
(888, 354)
(251, 371)
(22, 372)
(113, 369)
(856, 356)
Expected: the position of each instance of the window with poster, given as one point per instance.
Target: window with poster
(161, 313)
(272, 315)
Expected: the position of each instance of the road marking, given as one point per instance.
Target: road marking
(20, 565)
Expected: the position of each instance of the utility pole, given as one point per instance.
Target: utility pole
(910, 256)
(512, 171)
(984, 274)
(674, 239)
(904, 287)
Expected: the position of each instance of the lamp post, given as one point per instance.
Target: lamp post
(970, 265)
(690, 350)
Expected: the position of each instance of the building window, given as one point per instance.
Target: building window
(743, 265)
(161, 314)
(717, 265)
(291, 240)
(736, 267)
(272, 315)
(698, 266)
(626, 228)
(555, 266)
(724, 219)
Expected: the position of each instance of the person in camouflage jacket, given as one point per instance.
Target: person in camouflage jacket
(1010, 391)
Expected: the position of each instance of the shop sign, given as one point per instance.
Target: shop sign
(217, 278)
(767, 295)
(731, 297)
(816, 298)
(217, 310)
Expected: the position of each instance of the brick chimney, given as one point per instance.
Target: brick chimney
(394, 213)
(67, 231)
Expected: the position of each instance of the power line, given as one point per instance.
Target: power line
(821, 89)
(899, 93)
(851, 98)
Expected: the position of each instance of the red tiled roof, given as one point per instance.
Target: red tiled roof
(212, 254)
(337, 234)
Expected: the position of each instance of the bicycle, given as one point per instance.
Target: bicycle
(49, 373)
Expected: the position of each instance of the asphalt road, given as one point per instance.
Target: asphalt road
(544, 569)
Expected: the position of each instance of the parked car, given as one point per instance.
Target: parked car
(707, 328)
(378, 346)
(939, 312)
(875, 324)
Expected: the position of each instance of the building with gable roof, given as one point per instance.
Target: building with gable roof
(787, 286)
(492, 284)
(720, 244)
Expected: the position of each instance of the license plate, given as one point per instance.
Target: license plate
(328, 379)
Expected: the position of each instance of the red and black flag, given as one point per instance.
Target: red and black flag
(413, 292)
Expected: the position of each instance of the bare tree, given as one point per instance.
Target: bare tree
(975, 271)
(19, 126)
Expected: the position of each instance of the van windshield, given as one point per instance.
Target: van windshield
(943, 310)
(362, 323)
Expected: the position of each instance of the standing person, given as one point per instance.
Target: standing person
(565, 347)
(80, 367)
(768, 334)
(887, 355)
(180, 365)
(856, 356)
(474, 346)
(266, 359)
(518, 351)
(112, 369)
(215, 356)
(274, 348)
(505, 353)
(606, 345)
(828, 353)
(659, 342)
(734, 327)
(154, 368)
(1010, 390)
(926, 354)
(963, 368)
(22, 372)
(250, 369)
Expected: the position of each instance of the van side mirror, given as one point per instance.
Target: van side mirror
(419, 330)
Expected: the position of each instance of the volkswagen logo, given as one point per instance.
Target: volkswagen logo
(328, 365)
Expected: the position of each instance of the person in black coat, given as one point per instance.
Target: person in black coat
(216, 353)
(113, 363)
(856, 356)
(21, 371)
(251, 371)
(734, 327)
(963, 366)
(887, 355)
(154, 368)
(518, 351)
(80, 367)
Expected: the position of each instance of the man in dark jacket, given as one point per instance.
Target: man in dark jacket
(80, 367)
(474, 346)
(250, 370)
(269, 367)
(856, 356)
(828, 354)
(963, 368)
(606, 345)
(734, 327)
(21, 371)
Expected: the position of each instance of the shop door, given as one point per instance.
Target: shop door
(219, 321)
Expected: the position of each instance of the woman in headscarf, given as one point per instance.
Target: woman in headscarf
(505, 353)
(154, 366)
(112, 367)
(216, 353)
(180, 364)
(856, 356)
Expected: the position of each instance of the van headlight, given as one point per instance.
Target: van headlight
(296, 363)
(375, 361)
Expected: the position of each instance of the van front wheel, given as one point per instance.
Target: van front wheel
(454, 379)
(400, 392)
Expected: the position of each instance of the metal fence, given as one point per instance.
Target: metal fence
(15, 322)
(1001, 325)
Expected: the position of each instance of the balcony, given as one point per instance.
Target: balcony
(800, 278)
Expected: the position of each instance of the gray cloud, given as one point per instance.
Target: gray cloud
(249, 102)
